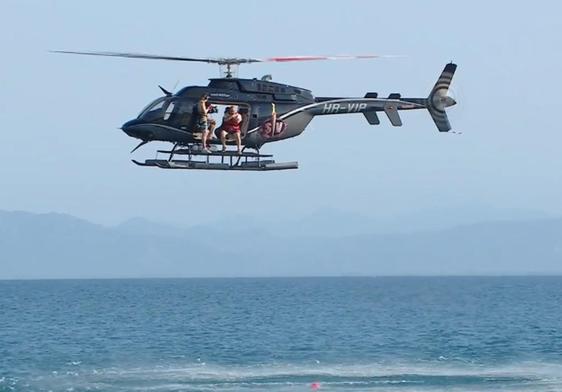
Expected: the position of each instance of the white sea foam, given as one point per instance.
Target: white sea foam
(436, 376)
(521, 370)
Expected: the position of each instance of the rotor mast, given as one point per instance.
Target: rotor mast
(229, 70)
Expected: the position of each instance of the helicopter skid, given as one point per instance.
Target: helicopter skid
(193, 158)
(263, 165)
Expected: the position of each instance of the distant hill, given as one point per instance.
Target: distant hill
(62, 246)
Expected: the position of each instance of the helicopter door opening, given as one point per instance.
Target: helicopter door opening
(243, 109)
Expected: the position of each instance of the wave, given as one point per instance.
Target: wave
(526, 376)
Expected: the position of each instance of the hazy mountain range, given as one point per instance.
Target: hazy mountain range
(61, 246)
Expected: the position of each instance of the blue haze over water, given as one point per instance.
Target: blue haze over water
(360, 334)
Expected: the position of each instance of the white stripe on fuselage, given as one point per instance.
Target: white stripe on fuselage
(354, 105)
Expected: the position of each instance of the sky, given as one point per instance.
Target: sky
(63, 152)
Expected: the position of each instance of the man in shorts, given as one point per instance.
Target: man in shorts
(204, 124)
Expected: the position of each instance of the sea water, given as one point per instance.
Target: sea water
(293, 334)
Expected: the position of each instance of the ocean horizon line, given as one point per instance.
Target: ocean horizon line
(263, 277)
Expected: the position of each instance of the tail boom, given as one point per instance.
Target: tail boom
(437, 102)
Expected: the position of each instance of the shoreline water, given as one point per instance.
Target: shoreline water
(282, 334)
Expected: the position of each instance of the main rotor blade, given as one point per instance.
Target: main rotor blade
(160, 57)
(316, 58)
(224, 60)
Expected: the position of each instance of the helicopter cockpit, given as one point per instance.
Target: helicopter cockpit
(169, 111)
(153, 110)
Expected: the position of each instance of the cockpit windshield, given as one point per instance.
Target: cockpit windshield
(168, 110)
(153, 110)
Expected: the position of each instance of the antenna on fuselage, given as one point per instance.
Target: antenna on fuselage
(166, 92)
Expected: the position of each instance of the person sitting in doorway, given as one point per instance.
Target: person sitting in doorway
(231, 125)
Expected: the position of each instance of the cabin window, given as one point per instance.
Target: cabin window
(184, 113)
(169, 110)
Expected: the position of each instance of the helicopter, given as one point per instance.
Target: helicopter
(269, 112)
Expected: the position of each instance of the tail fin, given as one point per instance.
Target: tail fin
(439, 100)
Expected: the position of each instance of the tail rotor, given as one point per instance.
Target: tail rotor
(439, 99)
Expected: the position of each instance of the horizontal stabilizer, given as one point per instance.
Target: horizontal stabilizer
(372, 118)
(393, 115)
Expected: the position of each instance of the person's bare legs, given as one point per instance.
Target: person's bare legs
(209, 135)
(212, 126)
(223, 140)
(239, 142)
(204, 140)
